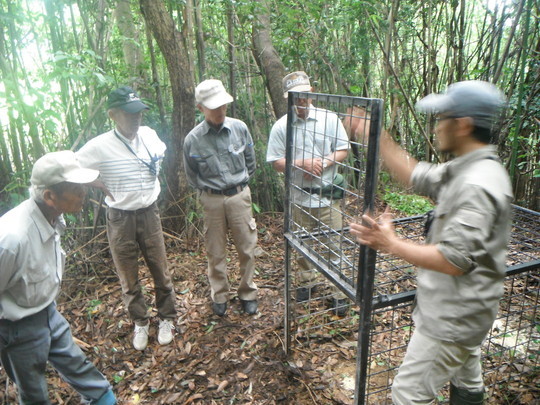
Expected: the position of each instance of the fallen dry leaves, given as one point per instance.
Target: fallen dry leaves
(234, 359)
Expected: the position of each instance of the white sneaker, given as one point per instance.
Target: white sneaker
(165, 335)
(140, 337)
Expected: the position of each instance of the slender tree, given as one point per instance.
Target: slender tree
(173, 44)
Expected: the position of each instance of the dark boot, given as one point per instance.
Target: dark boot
(462, 396)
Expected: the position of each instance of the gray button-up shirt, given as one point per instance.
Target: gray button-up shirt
(219, 159)
(471, 228)
(31, 261)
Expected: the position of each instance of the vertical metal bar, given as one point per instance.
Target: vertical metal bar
(366, 273)
(286, 228)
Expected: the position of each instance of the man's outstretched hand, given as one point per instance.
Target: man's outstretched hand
(379, 235)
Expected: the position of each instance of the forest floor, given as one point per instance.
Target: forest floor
(236, 359)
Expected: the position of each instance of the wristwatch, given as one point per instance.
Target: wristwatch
(324, 164)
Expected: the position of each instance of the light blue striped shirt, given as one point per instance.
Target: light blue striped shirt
(128, 177)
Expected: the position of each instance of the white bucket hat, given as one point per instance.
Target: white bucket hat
(57, 167)
(211, 94)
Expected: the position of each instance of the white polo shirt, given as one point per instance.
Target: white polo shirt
(126, 175)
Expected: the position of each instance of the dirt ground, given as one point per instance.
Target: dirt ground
(234, 359)
(237, 359)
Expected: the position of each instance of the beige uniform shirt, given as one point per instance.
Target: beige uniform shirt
(471, 228)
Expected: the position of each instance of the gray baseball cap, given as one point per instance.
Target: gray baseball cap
(480, 100)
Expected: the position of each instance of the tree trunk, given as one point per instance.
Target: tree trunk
(200, 38)
(268, 59)
(232, 55)
(156, 81)
(133, 56)
(174, 48)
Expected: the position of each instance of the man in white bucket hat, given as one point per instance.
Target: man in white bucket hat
(219, 160)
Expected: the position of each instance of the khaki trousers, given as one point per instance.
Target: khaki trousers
(223, 213)
(318, 220)
(129, 233)
(429, 364)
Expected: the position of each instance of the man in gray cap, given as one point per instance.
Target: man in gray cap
(461, 266)
(129, 158)
(219, 159)
(32, 331)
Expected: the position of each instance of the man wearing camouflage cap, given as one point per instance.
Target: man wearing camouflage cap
(320, 144)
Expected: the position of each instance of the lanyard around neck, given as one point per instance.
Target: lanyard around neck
(152, 165)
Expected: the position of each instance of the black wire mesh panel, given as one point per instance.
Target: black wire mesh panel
(324, 192)
(319, 206)
(511, 352)
(326, 272)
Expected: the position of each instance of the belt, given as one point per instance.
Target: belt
(136, 212)
(312, 190)
(227, 191)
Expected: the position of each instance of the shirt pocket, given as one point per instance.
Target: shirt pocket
(34, 288)
(207, 164)
(236, 156)
(440, 217)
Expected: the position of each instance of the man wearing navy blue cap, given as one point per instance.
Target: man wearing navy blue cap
(461, 267)
(129, 158)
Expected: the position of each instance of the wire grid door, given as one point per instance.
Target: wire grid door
(380, 289)
(511, 352)
(328, 276)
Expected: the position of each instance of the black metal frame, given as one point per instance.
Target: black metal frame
(358, 292)
(380, 285)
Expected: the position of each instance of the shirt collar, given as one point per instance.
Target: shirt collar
(311, 115)
(462, 162)
(45, 229)
(207, 128)
(125, 140)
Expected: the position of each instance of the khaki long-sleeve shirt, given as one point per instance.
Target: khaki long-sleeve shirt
(471, 228)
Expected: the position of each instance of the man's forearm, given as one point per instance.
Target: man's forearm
(426, 256)
(400, 164)
(335, 157)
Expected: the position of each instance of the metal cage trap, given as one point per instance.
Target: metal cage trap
(338, 289)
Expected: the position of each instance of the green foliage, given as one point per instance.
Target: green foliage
(92, 307)
(60, 65)
(117, 378)
(409, 204)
